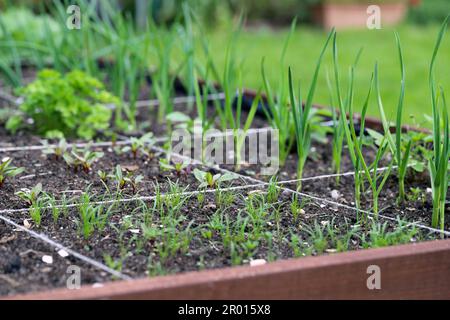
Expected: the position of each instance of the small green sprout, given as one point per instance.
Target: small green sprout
(303, 114)
(30, 196)
(438, 161)
(83, 159)
(36, 213)
(103, 176)
(143, 144)
(8, 171)
(92, 216)
(207, 179)
(297, 206)
(34, 200)
(273, 191)
(178, 167)
(123, 180)
(58, 151)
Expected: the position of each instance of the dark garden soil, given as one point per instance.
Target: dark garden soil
(57, 178)
(23, 270)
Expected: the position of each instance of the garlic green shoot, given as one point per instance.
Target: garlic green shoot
(347, 120)
(438, 161)
(338, 133)
(302, 115)
(277, 110)
(399, 147)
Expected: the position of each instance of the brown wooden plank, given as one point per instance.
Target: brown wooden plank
(413, 271)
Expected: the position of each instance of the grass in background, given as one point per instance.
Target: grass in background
(379, 45)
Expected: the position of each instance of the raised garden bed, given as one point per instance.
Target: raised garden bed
(129, 249)
(141, 220)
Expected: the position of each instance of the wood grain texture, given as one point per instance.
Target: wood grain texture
(413, 271)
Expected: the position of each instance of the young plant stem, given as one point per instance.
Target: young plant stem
(396, 146)
(346, 119)
(438, 161)
(277, 110)
(301, 114)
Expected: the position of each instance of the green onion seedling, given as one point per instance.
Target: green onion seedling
(302, 115)
(438, 161)
(346, 118)
(399, 147)
(338, 133)
(277, 110)
(375, 179)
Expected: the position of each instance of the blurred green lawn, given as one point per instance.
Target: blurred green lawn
(378, 45)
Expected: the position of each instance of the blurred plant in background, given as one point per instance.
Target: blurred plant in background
(429, 11)
(24, 24)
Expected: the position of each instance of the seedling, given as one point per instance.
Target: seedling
(318, 237)
(30, 196)
(34, 200)
(416, 194)
(438, 161)
(346, 117)
(134, 181)
(277, 110)
(8, 171)
(51, 202)
(208, 180)
(129, 179)
(302, 115)
(224, 198)
(36, 212)
(178, 167)
(91, 216)
(82, 158)
(297, 206)
(372, 174)
(57, 151)
(143, 144)
(113, 264)
(338, 132)
(103, 176)
(273, 191)
(381, 236)
(399, 148)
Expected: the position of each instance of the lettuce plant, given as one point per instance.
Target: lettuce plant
(71, 105)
